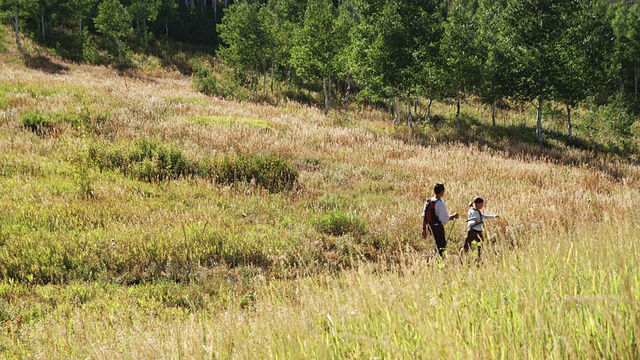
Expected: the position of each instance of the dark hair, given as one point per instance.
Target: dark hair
(477, 200)
(438, 188)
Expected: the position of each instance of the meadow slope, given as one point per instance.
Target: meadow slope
(106, 253)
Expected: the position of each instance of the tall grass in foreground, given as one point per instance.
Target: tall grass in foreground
(575, 298)
(135, 223)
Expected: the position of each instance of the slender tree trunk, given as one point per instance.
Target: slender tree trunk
(569, 122)
(429, 107)
(539, 120)
(325, 87)
(166, 26)
(329, 93)
(226, 4)
(119, 53)
(396, 109)
(273, 76)
(347, 91)
(16, 22)
(144, 25)
(493, 113)
(44, 38)
(214, 4)
(264, 81)
(458, 109)
(635, 86)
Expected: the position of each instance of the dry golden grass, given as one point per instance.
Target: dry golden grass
(559, 279)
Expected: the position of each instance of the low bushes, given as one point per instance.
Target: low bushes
(339, 223)
(270, 172)
(150, 160)
(37, 122)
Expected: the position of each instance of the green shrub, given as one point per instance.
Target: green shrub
(37, 122)
(146, 159)
(108, 157)
(339, 223)
(76, 121)
(224, 85)
(149, 160)
(152, 160)
(90, 51)
(270, 172)
(205, 81)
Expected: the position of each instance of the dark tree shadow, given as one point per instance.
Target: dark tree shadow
(132, 74)
(43, 63)
(518, 141)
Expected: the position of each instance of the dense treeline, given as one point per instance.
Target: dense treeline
(402, 52)
(76, 29)
(532, 51)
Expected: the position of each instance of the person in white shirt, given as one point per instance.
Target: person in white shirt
(475, 221)
(435, 215)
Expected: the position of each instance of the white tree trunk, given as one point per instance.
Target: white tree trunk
(119, 53)
(539, 120)
(458, 109)
(44, 39)
(347, 91)
(493, 113)
(396, 109)
(16, 22)
(326, 89)
(635, 86)
(569, 121)
(144, 25)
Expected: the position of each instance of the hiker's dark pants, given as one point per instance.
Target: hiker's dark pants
(438, 235)
(472, 236)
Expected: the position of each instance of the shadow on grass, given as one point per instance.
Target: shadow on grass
(519, 141)
(43, 63)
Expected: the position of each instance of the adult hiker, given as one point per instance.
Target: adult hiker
(475, 222)
(435, 215)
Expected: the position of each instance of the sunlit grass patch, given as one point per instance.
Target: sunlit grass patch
(338, 223)
(40, 91)
(30, 89)
(230, 121)
(187, 100)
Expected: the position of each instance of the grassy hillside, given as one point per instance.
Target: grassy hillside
(139, 219)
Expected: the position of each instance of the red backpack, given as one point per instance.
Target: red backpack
(430, 212)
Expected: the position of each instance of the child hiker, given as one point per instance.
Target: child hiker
(475, 222)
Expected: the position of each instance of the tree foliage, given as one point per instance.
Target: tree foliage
(317, 44)
(385, 52)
